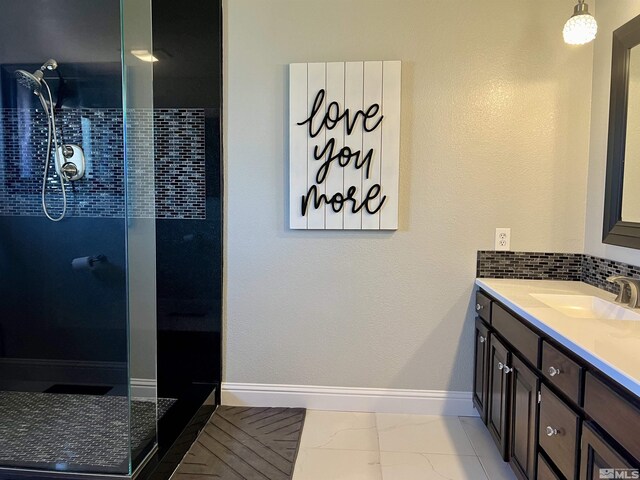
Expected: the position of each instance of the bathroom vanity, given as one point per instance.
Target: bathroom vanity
(557, 378)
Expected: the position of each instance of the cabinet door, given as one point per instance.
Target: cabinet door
(616, 414)
(524, 419)
(559, 427)
(545, 472)
(480, 369)
(600, 460)
(498, 396)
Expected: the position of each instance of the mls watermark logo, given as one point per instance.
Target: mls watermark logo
(623, 473)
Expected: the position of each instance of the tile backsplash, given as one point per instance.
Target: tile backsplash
(552, 266)
(596, 270)
(178, 163)
(529, 265)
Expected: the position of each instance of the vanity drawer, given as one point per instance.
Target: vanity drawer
(483, 307)
(558, 432)
(545, 472)
(516, 333)
(561, 371)
(615, 414)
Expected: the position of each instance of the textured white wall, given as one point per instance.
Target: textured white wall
(495, 126)
(611, 14)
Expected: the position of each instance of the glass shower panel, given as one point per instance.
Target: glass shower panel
(141, 227)
(63, 319)
(77, 321)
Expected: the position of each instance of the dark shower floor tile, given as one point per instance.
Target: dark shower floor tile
(72, 432)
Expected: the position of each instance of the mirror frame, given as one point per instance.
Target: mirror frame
(615, 231)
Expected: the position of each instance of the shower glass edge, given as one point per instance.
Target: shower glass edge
(137, 104)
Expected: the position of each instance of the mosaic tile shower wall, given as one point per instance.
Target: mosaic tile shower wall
(179, 171)
(180, 163)
(553, 266)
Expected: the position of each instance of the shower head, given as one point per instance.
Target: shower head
(30, 80)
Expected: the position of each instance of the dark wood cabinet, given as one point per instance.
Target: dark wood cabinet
(559, 426)
(498, 394)
(598, 457)
(512, 408)
(483, 307)
(545, 407)
(525, 386)
(545, 472)
(523, 339)
(480, 369)
(618, 416)
(562, 372)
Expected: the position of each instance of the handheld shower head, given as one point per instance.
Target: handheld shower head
(36, 83)
(30, 80)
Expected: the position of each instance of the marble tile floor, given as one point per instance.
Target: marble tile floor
(368, 446)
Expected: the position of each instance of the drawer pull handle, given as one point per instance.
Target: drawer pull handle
(553, 371)
(482, 339)
(479, 307)
(552, 431)
(500, 365)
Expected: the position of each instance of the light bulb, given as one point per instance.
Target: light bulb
(580, 30)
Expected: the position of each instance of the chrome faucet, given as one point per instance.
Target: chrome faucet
(630, 296)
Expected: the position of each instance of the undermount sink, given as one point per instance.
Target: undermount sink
(586, 306)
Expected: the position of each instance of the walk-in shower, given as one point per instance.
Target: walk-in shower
(110, 320)
(78, 383)
(69, 159)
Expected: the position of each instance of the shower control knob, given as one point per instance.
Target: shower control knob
(67, 151)
(70, 162)
(69, 170)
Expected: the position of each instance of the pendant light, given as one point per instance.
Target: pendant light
(581, 28)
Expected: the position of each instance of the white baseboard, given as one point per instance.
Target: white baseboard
(422, 402)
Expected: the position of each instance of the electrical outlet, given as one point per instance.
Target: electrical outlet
(503, 239)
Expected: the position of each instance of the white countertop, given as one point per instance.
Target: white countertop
(613, 346)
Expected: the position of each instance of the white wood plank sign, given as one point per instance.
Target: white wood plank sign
(344, 150)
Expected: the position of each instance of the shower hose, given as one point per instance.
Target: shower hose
(51, 123)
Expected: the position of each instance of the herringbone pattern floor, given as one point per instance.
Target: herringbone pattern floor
(240, 443)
